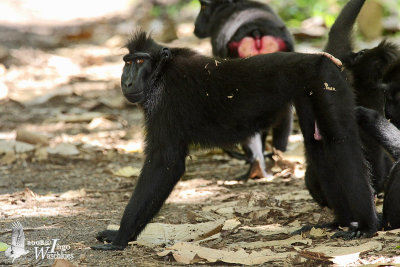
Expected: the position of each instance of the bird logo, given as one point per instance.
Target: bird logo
(17, 248)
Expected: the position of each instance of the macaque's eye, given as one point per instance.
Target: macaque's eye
(139, 61)
(127, 59)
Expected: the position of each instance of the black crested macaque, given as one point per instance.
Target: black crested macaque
(391, 80)
(189, 98)
(388, 136)
(364, 71)
(243, 28)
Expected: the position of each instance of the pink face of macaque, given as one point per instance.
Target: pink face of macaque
(249, 46)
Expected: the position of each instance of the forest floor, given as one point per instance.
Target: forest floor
(70, 151)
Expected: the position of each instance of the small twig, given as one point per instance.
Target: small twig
(33, 228)
(108, 191)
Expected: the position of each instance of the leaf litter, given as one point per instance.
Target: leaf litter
(66, 166)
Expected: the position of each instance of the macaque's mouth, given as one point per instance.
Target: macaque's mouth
(251, 46)
(134, 97)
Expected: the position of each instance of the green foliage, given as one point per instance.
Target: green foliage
(3, 246)
(295, 11)
(390, 6)
(172, 10)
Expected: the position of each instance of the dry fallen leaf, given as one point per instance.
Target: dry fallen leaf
(294, 196)
(29, 100)
(3, 91)
(127, 172)
(85, 117)
(231, 224)
(224, 208)
(6, 146)
(188, 253)
(273, 243)
(62, 263)
(388, 235)
(31, 137)
(21, 147)
(63, 149)
(270, 229)
(276, 168)
(160, 233)
(41, 154)
(73, 194)
(116, 102)
(343, 255)
(295, 150)
(15, 146)
(318, 232)
(8, 158)
(102, 124)
(227, 209)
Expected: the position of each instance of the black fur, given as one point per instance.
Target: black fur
(388, 136)
(211, 19)
(364, 71)
(214, 13)
(189, 98)
(366, 68)
(392, 82)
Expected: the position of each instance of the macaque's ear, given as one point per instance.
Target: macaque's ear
(384, 86)
(166, 53)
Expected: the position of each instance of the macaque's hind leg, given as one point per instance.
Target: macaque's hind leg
(253, 150)
(282, 129)
(346, 188)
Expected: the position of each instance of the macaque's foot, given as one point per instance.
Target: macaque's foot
(108, 247)
(256, 171)
(307, 228)
(106, 235)
(353, 234)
